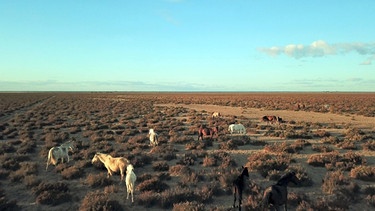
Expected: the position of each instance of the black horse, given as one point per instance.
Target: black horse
(238, 186)
(277, 194)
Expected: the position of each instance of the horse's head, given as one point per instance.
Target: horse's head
(95, 158)
(129, 168)
(245, 171)
(288, 177)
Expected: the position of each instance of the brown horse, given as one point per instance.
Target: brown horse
(277, 194)
(204, 131)
(271, 119)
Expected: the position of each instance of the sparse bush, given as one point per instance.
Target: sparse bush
(100, 202)
(148, 198)
(71, 173)
(6, 204)
(264, 162)
(98, 180)
(52, 193)
(369, 145)
(321, 148)
(366, 173)
(160, 166)
(188, 206)
(153, 184)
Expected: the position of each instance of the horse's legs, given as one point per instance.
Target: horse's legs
(235, 195)
(239, 199)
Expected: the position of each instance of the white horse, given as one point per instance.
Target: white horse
(60, 152)
(153, 137)
(112, 164)
(130, 181)
(237, 128)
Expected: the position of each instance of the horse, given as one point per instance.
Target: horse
(60, 152)
(277, 194)
(215, 115)
(237, 128)
(130, 181)
(112, 164)
(204, 131)
(238, 186)
(271, 119)
(153, 138)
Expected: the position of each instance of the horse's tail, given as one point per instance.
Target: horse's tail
(50, 158)
(156, 139)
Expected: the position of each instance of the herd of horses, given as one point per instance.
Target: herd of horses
(274, 196)
(113, 164)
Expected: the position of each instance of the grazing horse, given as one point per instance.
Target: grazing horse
(271, 119)
(277, 195)
(130, 181)
(237, 128)
(112, 164)
(216, 115)
(60, 152)
(153, 137)
(238, 186)
(204, 131)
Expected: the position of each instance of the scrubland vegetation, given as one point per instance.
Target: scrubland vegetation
(333, 161)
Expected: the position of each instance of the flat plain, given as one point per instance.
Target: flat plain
(326, 138)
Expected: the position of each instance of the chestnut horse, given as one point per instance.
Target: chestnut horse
(204, 131)
(271, 119)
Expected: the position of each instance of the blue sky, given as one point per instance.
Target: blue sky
(187, 45)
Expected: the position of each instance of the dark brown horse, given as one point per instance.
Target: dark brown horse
(238, 186)
(277, 194)
(204, 131)
(271, 119)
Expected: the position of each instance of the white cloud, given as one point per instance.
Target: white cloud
(320, 48)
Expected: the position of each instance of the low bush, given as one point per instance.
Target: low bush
(264, 162)
(189, 206)
(369, 145)
(98, 180)
(366, 173)
(153, 184)
(99, 201)
(52, 193)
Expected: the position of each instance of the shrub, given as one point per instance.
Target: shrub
(5, 204)
(321, 148)
(188, 206)
(52, 193)
(369, 145)
(148, 198)
(366, 173)
(98, 180)
(160, 166)
(179, 170)
(26, 168)
(99, 201)
(71, 173)
(264, 162)
(153, 184)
